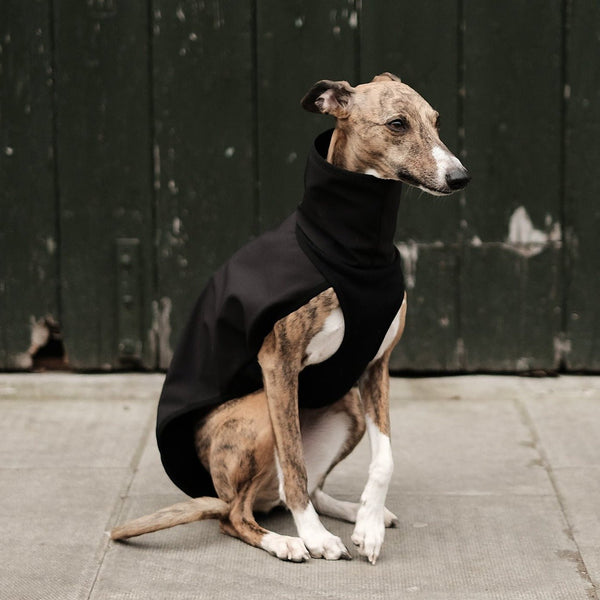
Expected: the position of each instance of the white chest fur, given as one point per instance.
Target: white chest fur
(327, 341)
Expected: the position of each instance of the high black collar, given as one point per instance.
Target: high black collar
(347, 215)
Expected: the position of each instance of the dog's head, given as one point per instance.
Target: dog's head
(384, 128)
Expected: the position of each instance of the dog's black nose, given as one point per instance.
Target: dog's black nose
(457, 178)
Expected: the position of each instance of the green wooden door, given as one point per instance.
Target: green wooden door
(141, 143)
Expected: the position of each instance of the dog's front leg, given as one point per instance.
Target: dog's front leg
(280, 359)
(370, 521)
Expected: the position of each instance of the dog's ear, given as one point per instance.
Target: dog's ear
(386, 77)
(330, 98)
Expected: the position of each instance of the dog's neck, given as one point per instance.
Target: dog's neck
(351, 216)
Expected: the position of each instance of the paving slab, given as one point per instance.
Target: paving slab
(495, 498)
(565, 417)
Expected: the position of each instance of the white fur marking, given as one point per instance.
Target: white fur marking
(389, 337)
(320, 542)
(326, 343)
(370, 522)
(373, 173)
(279, 478)
(444, 161)
(322, 439)
(285, 547)
(340, 509)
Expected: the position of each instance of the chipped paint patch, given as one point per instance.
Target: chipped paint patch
(229, 152)
(525, 239)
(562, 348)
(409, 252)
(50, 245)
(159, 335)
(39, 336)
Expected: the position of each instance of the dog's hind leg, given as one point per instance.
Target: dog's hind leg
(236, 443)
(241, 524)
(328, 436)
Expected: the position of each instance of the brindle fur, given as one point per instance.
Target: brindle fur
(252, 446)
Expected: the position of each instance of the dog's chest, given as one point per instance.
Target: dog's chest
(327, 341)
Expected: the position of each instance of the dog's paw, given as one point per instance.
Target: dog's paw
(390, 519)
(327, 546)
(369, 533)
(285, 547)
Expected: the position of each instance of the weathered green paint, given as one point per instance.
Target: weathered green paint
(203, 148)
(582, 187)
(298, 43)
(512, 120)
(28, 232)
(170, 131)
(428, 228)
(104, 169)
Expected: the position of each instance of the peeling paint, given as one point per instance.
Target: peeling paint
(159, 335)
(562, 348)
(180, 14)
(176, 226)
(39, 336)
(409, 252)
(460, 352)
(50, 245)
(476, 241)
(525, 239)
(229, 152)
(353, 20)
(299, 22)
(156, 153)
(172, 187)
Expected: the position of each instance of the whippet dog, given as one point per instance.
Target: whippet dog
(262, 449)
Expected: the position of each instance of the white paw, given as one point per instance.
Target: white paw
(327, 546)
(390, 519)
(285, 547)
(368, 534)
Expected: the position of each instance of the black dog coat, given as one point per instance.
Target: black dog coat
(341, 236)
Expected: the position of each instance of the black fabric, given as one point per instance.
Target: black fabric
(341, 236)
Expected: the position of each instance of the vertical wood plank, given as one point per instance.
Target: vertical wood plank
(28, 234)
(582, 187)
(104, 158)
(513, 144)
(298, 43)
(203, 148)
(419, 43)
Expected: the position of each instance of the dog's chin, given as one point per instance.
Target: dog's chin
(435, 191)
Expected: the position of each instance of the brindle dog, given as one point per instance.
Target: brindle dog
(261, 450)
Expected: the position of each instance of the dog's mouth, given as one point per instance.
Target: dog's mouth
(414, 182)
(454, 185)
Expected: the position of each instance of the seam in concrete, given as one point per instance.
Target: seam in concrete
(117, 510)
(577, 556)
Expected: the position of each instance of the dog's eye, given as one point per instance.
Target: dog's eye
(398, 125)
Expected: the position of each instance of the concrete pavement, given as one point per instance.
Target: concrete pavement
(497, 487)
